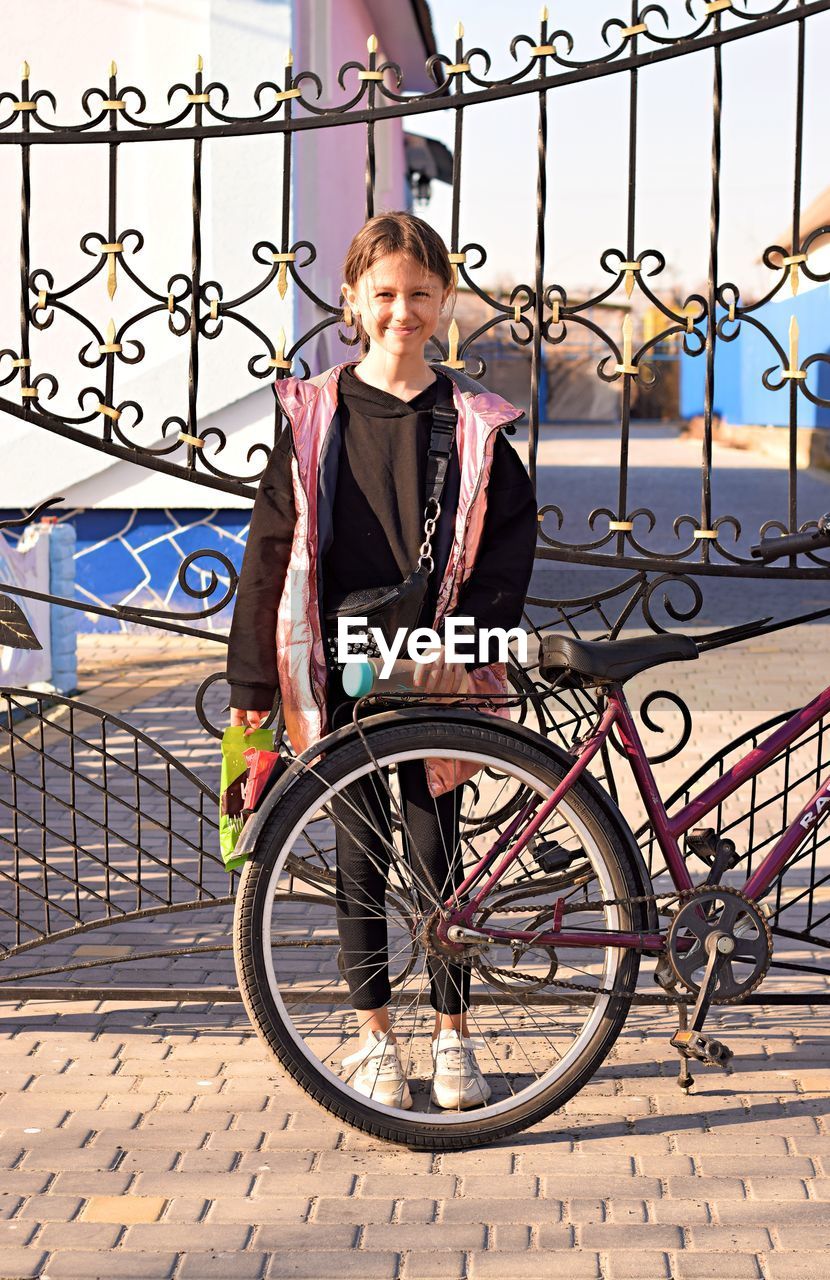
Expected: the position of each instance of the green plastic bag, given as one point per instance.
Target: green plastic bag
(232, 786)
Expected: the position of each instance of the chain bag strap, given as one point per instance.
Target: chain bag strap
(390, 608)
(441, 440)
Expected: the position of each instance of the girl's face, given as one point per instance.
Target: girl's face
(399, 303)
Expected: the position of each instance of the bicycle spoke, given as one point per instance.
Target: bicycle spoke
(418, 996)
(310, 769)
(350, 995)
(421, 887)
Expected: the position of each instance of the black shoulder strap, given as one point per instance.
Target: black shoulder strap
(444, 419)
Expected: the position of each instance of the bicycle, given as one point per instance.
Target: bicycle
(554, 910)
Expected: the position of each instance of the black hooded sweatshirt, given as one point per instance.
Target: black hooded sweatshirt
(378, 526)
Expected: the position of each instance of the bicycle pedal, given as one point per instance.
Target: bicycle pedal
(693, 1044)
(702, 842)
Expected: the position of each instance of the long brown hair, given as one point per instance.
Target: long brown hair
(398, 232)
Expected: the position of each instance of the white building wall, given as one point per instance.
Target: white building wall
(242, 42)
(69, 48)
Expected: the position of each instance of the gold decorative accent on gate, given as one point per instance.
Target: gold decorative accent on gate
(555, 305)
(620, 526)
(793, 373)
(41, 299)
(171, 302)
(542, 50)
(186, 438)
(198, 97)
(111, 250)
(214, 308)
(279, 361)
(109, 412)
(629, 268)
(626, 366)
(714, 5)
(110, 347)
(705, 535)
(24, 106)
(29, 391)
(288, 93)
(114, 104)
(452, 361)
(517, 312)
(637, 30)
(456, 68)
(792, 262)
(282, 274)
(457, 260)
(23, 363)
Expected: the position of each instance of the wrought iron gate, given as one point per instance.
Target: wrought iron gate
(146, 843)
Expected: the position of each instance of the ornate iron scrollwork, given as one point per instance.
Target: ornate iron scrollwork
(662, 584)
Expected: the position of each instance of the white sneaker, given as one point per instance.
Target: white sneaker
(377, 1072)
(457, 1081)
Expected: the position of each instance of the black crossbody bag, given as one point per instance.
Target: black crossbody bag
(390, 608)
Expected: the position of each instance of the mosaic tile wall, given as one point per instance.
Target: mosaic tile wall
(132, 557)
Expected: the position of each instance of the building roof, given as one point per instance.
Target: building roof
(87, 477)
(423, 17)
(407, 38)
(815, 215)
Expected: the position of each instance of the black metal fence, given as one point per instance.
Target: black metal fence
(535, 315)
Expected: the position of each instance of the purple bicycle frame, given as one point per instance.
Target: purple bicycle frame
(667, 830)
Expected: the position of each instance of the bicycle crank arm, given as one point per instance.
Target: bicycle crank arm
(690, 1041)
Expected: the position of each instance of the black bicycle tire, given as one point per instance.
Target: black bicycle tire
(265, 1015)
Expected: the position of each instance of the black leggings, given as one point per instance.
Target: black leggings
(363, 836)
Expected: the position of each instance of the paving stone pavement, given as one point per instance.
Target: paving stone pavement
(160, 1140)
(145, 1140)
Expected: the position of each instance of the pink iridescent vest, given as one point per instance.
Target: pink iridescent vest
(311, 407)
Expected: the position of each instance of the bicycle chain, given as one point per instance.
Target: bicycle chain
(675, 998)
(597, 905)
(637, 997)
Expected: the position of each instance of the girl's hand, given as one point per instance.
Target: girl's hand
(441, 676)
(251, 719)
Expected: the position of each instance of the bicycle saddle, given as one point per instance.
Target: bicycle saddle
(587, 662)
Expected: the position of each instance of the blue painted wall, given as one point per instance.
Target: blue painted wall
(740, 396)
(133, 557)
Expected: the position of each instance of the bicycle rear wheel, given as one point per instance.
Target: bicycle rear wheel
(539, 1043)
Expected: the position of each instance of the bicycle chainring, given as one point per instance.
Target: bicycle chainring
(718, 909)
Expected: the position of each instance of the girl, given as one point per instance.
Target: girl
(340, 508)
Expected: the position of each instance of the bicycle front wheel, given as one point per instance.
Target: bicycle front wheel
(545, 1017)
